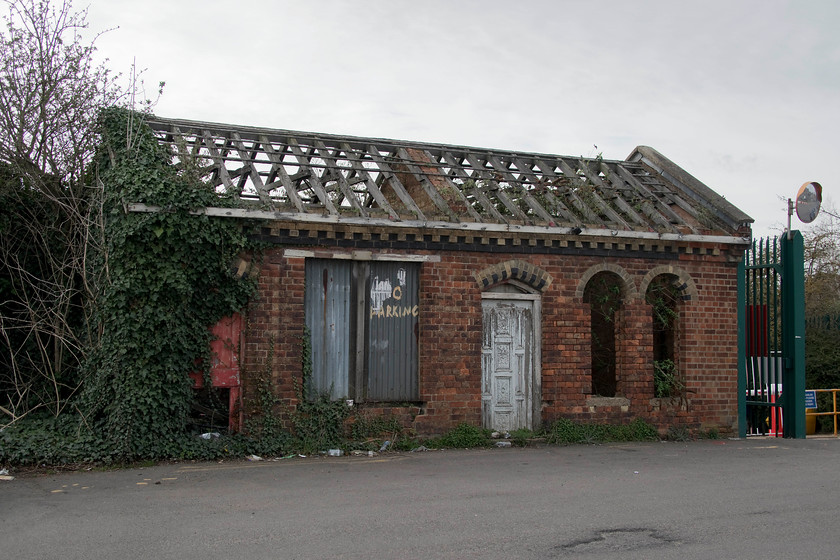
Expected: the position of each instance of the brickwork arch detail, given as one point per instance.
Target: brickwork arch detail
(516, 269)
(685, 284)
(629, 286)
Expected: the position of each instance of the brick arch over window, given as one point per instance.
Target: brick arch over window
(685, 284)
(515, 269)
(629, 286)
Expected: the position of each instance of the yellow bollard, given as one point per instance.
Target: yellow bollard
(810, 421)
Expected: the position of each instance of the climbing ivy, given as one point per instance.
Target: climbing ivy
(167, 280)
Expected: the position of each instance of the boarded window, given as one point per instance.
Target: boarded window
(363, 322)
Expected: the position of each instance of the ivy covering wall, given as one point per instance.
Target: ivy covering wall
(168, 278)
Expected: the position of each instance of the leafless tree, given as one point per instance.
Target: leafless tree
(822, 265)
(51, 90)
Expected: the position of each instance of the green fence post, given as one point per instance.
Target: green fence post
(742, 348)
(793, 334)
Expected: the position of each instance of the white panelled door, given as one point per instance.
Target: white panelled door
(508, 364)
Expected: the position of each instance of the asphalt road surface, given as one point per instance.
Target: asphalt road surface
(760, 498)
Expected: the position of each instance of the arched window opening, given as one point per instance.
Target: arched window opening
(663, 296)
(605, 295)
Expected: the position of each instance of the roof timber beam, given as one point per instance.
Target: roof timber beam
(373, 189)
(216, 156)
(649, 209)
(459, 194)
(599, 198)
(427, 185)
(486, 204)
(278, 168)
(538, 209)
(685, 183)
(254, 214)
(348, 193)
(181, 147)
(252, 170)
(554, 203)
(313, 179)
(287, 169)
(672, 216)
(484, 174)
(394, 182)
(577, 200)
(621, 189)
(628, 176)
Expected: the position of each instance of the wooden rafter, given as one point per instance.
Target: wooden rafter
(369, 178)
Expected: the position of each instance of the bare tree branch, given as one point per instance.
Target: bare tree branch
(51, 91)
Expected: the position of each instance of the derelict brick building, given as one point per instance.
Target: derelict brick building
(447, 284)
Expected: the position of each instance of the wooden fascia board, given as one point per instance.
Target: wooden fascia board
(524, 230)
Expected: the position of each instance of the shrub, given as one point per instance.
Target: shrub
(462, 436)
(521, 436)
(565, 431)
(319, 423)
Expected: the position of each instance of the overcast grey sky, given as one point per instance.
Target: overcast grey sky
(744, 95)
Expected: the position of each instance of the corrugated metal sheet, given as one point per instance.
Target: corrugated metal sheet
(392, 323)
(328, 316)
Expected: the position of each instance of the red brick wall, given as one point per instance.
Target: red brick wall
(450, 340)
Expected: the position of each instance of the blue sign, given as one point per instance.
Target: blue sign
(810, 399)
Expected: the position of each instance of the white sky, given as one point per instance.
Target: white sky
(744, 95)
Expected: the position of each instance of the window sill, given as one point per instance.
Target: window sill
(608, 402)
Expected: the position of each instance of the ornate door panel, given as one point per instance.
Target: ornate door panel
(507, 372)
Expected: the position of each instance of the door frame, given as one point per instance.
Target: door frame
(536, 350)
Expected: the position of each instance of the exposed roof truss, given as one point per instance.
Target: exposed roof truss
(335, 176)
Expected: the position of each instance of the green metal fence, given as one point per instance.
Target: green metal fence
(771, 338)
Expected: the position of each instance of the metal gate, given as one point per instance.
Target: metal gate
(771, 338)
